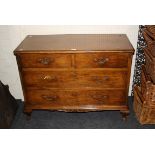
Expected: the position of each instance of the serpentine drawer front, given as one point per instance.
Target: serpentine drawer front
(79, 72)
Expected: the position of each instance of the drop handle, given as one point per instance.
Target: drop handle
(101, 61)
(49, 78)
(50, 98)
(45, 61)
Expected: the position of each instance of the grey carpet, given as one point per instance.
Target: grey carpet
(89, 120)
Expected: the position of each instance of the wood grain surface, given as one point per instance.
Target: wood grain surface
(75, 42)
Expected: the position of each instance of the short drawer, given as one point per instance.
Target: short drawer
(101, 60)
(45, 60)
(111, 78)
(75, 97)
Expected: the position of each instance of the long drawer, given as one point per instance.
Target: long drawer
(106, 78)
(75, 97)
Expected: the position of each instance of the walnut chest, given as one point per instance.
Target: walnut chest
(75, 72)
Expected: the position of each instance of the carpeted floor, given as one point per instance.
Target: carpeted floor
(89, 120)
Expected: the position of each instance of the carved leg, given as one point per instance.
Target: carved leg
(124, 114)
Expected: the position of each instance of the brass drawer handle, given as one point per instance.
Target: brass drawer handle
(45, 61)
(49, 78)
(50, 98)
(101, 61)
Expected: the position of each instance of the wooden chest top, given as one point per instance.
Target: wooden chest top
(75, 42)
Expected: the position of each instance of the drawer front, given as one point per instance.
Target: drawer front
(101, 60)
(45, 60)
(75, 97)
(75, 78)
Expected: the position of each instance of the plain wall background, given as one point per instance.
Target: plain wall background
(11, 36)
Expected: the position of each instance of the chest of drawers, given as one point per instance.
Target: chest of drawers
(78, 73)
